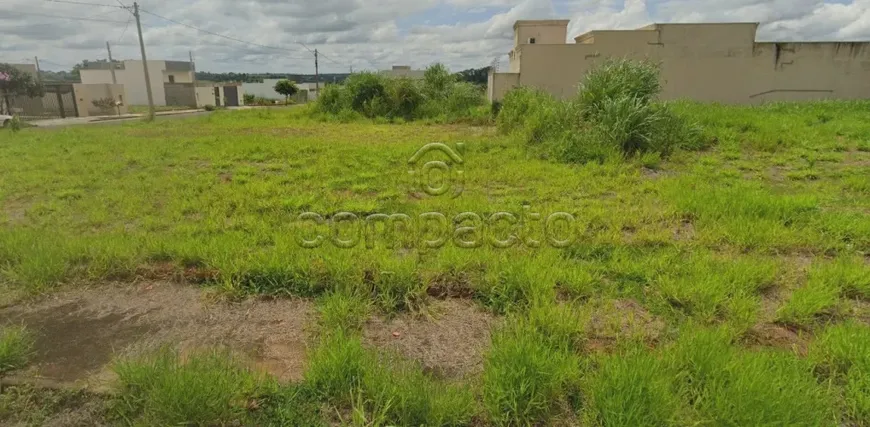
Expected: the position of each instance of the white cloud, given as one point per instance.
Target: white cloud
(377, 33)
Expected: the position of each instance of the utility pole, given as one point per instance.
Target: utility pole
(316, 74)
(111, 64)
(193, 72)
(144, 63)
(38, 72)
(192, 67)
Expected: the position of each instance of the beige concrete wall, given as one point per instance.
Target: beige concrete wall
(544, 32)
(133, 79)
(87, 93)
(500, 84)
(179, 76)
(704, 62)
(204, 96)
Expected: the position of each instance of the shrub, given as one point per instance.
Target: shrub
(613, 115)
(437, 82)
(105, 105)
(439, 97)
(462, 97)
(405, 97)
(249, 98)
(331, 99)
(615, 79)
(363, 88)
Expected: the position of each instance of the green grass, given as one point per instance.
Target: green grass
(142, 109)
(842, 353)
(379, 389)
(206, 388)
(770, 224)
(16, 347)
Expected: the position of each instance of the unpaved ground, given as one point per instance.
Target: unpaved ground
(449, 343)
(78, 332)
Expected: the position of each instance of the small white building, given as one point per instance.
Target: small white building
(171, 81)
(266, 89)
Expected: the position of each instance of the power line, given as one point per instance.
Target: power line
(330, 59)
(220, 35)
(80, 3)
(125, 29)
(74, 18)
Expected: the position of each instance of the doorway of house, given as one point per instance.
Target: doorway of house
(231, 96)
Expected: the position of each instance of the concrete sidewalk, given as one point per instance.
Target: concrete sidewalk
(101, 119)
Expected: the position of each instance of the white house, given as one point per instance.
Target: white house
(171, 81)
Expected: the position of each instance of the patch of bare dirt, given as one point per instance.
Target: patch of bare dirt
(779, 336)
(616, 320)
(79, 332)
(684, 231)
(448, 344)
(15, 211)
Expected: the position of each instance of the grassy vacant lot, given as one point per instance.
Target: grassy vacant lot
(728, 286)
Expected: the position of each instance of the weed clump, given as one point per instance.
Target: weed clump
(438, 96)
(615, 114)
(381, 391)
(16, 346)
(208, 388)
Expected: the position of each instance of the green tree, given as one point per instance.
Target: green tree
(286, 88)
(478, 76)
(437, 82)
(14, 82)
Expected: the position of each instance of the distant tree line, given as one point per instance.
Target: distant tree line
(476, 76)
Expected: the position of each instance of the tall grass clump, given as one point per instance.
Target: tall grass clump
(728, 385)
(842, 353)
(438, 96)
(204, 388)
(380, 390)
(615, 114)
(531, 373)
(16, 346)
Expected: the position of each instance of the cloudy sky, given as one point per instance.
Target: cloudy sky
(371, 34)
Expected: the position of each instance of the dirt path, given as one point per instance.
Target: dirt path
(79, 332)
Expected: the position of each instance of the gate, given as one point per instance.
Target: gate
(59, 101)
(231, 96)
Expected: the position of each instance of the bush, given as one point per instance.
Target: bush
(331, 99)
(437, 97)
(405, 97)
(437, 82)
(614, 115)
(363, 88)
(249, 98)
(616, 79)
(106, 105)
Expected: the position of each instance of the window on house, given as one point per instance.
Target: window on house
(171, 79)
(531, 40)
